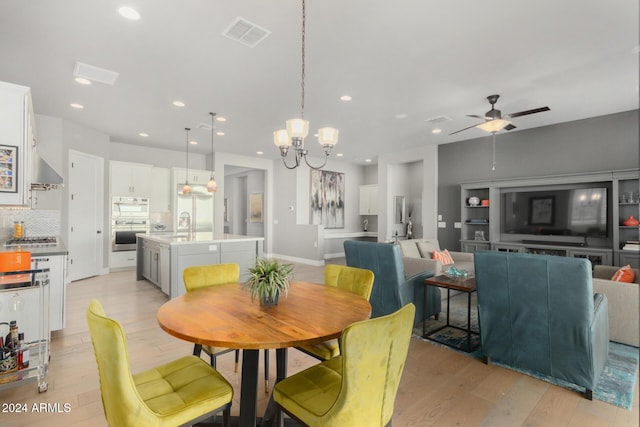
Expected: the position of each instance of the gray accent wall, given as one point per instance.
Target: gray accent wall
(597, 144)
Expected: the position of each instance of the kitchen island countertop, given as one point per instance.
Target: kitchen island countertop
(194, 238)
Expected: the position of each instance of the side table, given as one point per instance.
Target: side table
(463, 285)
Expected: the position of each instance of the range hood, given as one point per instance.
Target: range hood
(43, 176)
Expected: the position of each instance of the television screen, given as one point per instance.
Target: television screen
(570, 212)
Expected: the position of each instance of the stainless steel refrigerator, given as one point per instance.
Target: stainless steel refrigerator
(194, 212)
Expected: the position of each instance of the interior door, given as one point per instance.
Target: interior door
(86, 215)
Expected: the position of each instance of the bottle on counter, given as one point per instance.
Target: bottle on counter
(11, 340)
(18, 229)
(23, 352)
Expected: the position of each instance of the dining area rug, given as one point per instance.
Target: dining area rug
(616, 385)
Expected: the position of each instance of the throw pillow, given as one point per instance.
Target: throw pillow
(426, 247)
(625, 274)
(444, 257)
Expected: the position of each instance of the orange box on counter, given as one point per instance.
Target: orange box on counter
(15, 261)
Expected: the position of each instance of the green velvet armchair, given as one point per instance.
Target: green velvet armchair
(356, 280)
(181, 392)
(203, 276)
(357, 388)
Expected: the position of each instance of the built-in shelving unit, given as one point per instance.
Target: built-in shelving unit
(481, 229)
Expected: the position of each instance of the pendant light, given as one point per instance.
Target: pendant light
(187, 188)
(212, 185)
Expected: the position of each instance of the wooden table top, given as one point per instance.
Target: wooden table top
(225, 316)
(443, 281)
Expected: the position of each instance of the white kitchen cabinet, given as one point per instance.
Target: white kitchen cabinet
(196, 176)
(57, 286)
(160, 196)
(17, 137)
(122, 260)
(369, 199)
(156, 264)
(130, 179)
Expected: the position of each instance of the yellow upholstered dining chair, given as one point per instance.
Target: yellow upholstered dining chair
(356, 280)
(181, 392)
(357, 388)
(204, 276)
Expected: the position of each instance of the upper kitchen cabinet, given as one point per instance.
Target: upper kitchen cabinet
(160, 199)
(369, 199)
(16, 144)
(130, 179)
(198, 177)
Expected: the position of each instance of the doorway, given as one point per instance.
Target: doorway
(86, 215)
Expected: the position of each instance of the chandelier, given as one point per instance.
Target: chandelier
(297, 129)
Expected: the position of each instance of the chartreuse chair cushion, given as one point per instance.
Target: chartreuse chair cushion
(359, 387)
(168, 395)
(356, 280)
(203, 276)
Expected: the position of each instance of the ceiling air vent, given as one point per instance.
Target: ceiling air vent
(438, 119)
(245, 32)
(95, 74)
(204, 126)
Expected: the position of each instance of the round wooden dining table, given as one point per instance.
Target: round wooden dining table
(225, 316)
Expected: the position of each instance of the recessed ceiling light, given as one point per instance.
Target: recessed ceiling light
(144, 135)
(436, 130)
(346, 98)
(259, 153)
(83, 81)
(77, 106)
(221, 119)
(340, 154)
(129, 13)
(401, 116)
(178, 103)
(367, 160)
(220, 133)
(193, 142)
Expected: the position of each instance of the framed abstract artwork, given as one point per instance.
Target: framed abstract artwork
(255, 207)
(327, 198)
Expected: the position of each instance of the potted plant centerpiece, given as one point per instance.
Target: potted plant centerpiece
(269, 278)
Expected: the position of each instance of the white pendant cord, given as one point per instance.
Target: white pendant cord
(493, 165)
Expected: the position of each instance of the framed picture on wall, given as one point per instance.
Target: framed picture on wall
(541, 210)
(226, 209)
(255, 207)
(8, 169)
(327, 198)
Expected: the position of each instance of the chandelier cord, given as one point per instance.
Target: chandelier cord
(213, 115)
(304, 16)
(493, 165)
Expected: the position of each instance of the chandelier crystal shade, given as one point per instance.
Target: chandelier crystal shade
(298, 129)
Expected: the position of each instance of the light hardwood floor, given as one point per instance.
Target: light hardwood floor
(439, 386)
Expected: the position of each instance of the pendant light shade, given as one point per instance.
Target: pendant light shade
(187, 188)
(212, 185)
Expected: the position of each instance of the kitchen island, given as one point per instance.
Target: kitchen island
(161, 258)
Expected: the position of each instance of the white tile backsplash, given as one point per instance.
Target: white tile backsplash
(36, 222)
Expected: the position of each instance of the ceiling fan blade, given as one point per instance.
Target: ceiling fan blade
(524, 113)
(463, 129)
(478, 117)
(509, 127)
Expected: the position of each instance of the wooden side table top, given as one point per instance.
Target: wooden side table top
(443, 281)
(225, 316)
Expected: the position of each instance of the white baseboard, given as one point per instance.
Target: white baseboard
(314, 262)
(335, 255)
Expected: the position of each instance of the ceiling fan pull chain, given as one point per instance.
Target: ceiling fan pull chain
(493, 166)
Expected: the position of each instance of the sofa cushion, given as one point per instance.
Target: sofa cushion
(426, 247)
(409, 248)
(625, 274)
(443, 256)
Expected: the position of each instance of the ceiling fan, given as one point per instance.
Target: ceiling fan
(493, 119)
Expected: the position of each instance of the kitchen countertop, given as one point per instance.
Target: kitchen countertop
(201, 237)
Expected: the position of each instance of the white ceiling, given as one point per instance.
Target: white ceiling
(417, 59)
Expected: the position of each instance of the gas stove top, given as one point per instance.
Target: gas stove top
(33, 241)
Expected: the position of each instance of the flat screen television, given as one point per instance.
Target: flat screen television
(556, 212)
